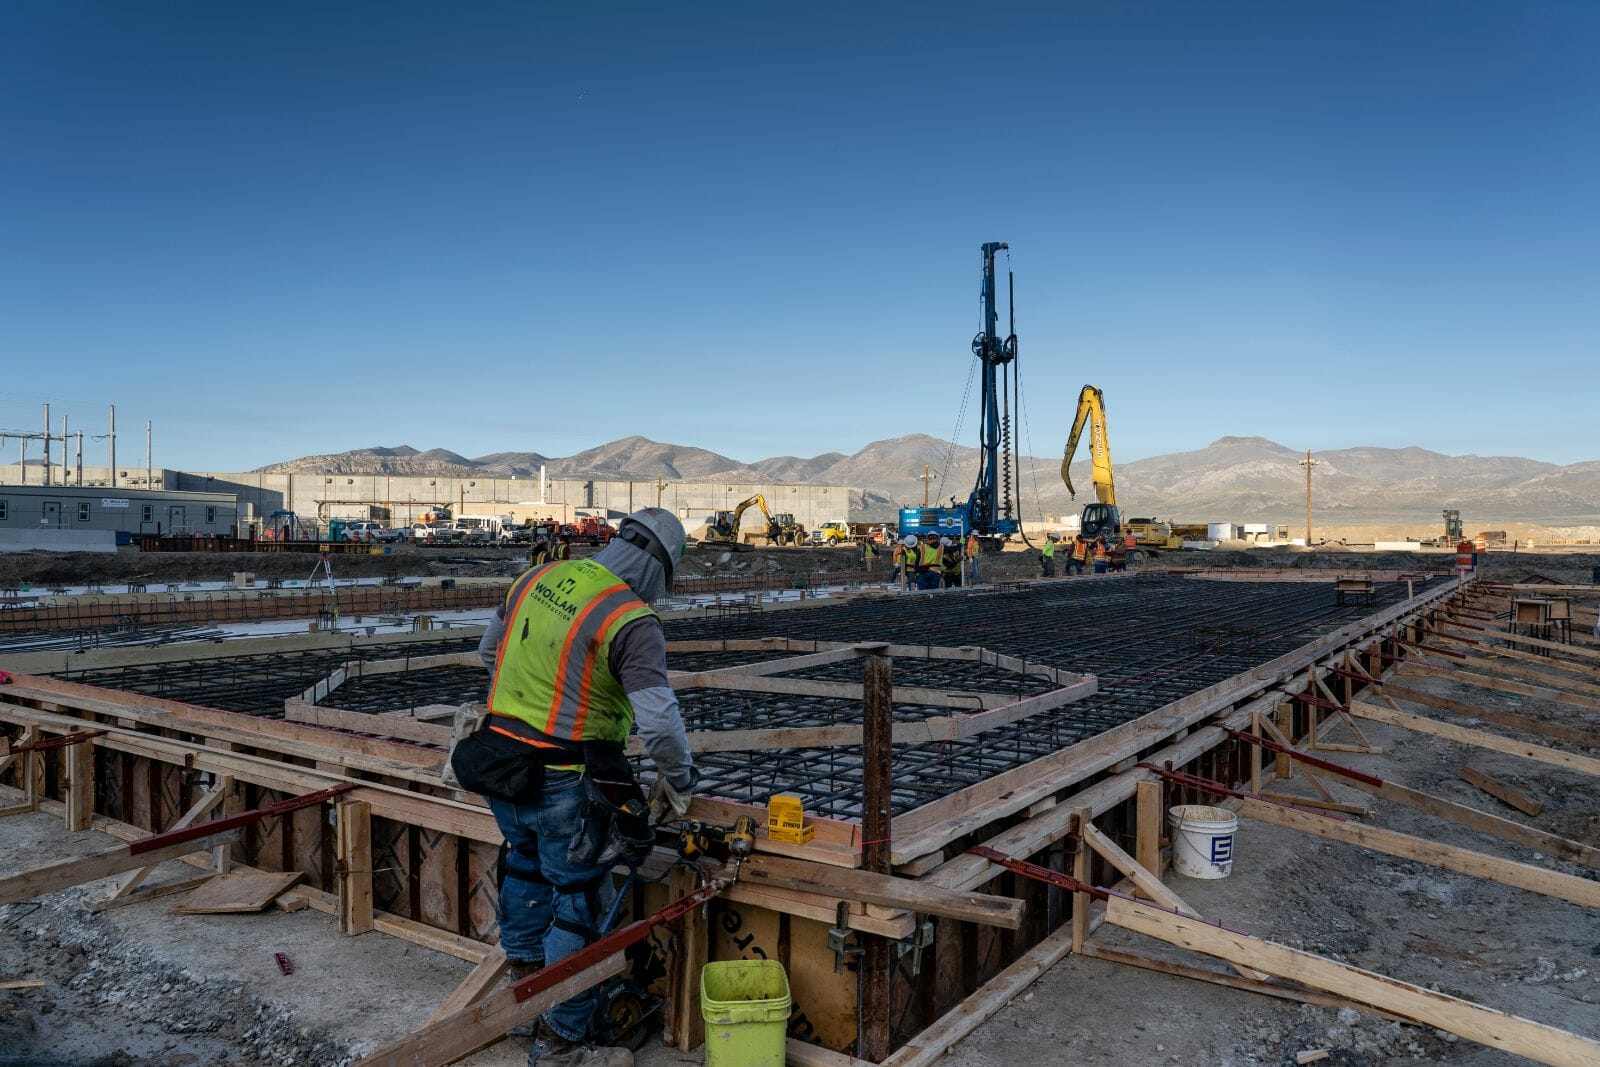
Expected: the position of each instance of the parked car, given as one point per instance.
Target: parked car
(362, 530)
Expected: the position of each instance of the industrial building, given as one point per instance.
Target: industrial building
(66, 516)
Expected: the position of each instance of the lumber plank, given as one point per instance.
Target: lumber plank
(475, 986)
(1501, 685)
(1516, 720)
(1480, 738)
(380, 725)
(482, 1024)
(353, 848)
(1497, 1029)
(1487, 822)
(237, 891)
(1505, 792)
(1531, 642)
(887, 890)
(80, 786)
(53, 877)
(1233, 980)
(1578, 891)
(799, 1053)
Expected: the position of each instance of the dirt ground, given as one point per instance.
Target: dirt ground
(1508, 949)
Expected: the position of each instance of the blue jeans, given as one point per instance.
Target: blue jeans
(928, 580)
(548, 907)
(974, 563)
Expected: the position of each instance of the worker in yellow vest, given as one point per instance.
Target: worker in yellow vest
(1047, 556)
(974, 550)
(949, 562)
(576, 654)
(928, 563)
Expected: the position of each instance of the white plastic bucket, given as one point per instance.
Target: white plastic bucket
(1202, 840)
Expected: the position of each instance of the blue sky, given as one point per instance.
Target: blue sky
(279, 229)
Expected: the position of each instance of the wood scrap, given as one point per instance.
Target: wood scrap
(1502, 791)
(243, 890)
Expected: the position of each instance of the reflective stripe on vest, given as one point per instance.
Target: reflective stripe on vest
(1080, 550)
(1099, 551)
(553, 671)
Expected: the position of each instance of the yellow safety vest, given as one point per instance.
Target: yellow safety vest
(1049, 550)
(927, 555)
(553, 671)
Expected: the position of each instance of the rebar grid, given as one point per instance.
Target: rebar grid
(408, 690)
(257, 684)
(1150, 640)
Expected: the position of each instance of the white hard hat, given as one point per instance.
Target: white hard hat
(946, 542)
(657, 531)
(909, 541)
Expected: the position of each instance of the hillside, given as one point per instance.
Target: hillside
(1247, 479)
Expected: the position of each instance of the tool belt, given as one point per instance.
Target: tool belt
(506, 758)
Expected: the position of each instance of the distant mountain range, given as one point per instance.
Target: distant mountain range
(1243, 479)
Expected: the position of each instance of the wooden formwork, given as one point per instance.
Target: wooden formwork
(928, 946)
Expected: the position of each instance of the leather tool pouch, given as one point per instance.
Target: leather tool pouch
(615, 827)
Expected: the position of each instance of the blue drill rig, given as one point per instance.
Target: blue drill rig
(989, 511)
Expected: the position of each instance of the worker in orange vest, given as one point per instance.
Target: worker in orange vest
(1102, 555)
(1080, 555)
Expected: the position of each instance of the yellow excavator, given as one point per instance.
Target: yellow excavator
(1100, 517)
(723, 529)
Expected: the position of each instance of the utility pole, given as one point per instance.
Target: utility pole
(1308, 463)
(113, 435)
(80, 457)
(148, 484)
(927, 480)
(47, 470)
(660, 485)
(66, 454)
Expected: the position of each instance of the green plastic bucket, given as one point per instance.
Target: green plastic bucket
(745, 1004)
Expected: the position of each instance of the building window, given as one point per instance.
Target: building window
(211, 516)
(83, 511)
(4, 508)
(149, 514)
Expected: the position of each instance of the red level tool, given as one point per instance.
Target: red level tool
(231, 822)
(57, 742)
(615, 941)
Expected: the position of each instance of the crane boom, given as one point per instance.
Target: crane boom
(1091, 409)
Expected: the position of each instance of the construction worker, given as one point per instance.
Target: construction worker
(949, 562)
(576, 654)
(869, 555)
(1102, 554)
(928, 563)
(1047, 556)
(1119, 555)
(898, 558)
(974, 550)
(1080, 554)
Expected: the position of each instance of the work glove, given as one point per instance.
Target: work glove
(668, 804)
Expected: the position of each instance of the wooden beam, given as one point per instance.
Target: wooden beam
(1147, 818)
(1082, 820)
(1505, 792)
(354, 866)
(484, 977)
(882, 889)
(1578, 891)
(1500, 685)
(1522, 1037)
(80, 786)
(480, 1025)
(378, 725)
(200, 808)
(683, 967)
(1516, 720)
(873, 1027)
(1481, 739)
(1233, 980)
(53, 877)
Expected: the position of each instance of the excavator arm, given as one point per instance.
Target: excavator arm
(1091, 409)
(745, 505)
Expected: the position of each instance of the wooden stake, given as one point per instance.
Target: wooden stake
(80, 786)
(1147, 839)
(1082, 818)
(354, 848)
(1510, 794)
(872, 1040)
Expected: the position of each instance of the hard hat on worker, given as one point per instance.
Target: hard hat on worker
(658, 532)
(909, 541)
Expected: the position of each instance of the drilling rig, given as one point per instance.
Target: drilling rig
(990, 511)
